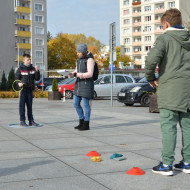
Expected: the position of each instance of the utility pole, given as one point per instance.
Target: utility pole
(112, 54)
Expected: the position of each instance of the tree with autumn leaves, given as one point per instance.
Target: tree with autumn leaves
(62, 50)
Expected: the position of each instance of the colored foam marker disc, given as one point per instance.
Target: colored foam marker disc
(135, 171)
(93, 154)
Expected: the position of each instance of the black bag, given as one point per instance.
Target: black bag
(96, 72)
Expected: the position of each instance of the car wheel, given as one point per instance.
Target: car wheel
(95, 95)
(68, 94)
(145, 100)
(128, 104)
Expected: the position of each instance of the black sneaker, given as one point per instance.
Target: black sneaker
(23, 124)
(32, 123)
(182, 167)
(160, 169)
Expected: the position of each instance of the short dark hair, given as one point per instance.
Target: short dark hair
(26, 55)
(172, 16)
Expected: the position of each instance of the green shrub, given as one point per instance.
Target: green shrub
(3, 82)
(54, 85)
(11, 79)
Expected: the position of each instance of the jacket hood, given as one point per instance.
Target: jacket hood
(22, 65)
(89, 55)
(180, 35)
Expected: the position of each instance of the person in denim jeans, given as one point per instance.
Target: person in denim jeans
(84, 86)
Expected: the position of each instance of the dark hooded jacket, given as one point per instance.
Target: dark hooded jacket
(27, 75)
(84, 87)
(171, 52)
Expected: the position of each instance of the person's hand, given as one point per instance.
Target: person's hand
(20, 84)
(71, 74)
(36, 67)
(154, 84)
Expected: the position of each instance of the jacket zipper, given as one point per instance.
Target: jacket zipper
(78, 79)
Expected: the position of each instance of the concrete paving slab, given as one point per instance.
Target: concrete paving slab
(66, 183)
(66, 143)
(108, 165)
(122, 181)
(32, 169)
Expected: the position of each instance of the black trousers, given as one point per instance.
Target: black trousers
(26, 97)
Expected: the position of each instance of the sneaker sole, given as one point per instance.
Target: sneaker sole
(163, 173)
(183, 170)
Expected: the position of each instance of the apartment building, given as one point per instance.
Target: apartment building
(140, 25)
(23, 30)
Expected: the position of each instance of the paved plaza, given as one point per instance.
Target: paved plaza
(53, 157)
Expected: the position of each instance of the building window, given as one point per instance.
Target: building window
(137, 49)
(126, 12)
(147, 18)
(147, 0)
(39, 54)
(126, 2)
(126, 31)
(147, 48)
(127, 50)
(40, 65)
(126, 40)
(147, 28)
(137, 39)
(38, 7)
(39, 19)
(39, 42)
(171, 4)
(147, 38)
(126, 21)
(39, 30)
(147, 8)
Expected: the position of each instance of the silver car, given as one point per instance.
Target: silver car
(102, 86)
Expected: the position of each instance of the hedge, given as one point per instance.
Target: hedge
(8, 94)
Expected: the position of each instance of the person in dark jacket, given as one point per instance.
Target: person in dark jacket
(26, 73)
(171, 53)
(84, 86)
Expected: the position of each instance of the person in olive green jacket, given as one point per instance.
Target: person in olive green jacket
(171, 53)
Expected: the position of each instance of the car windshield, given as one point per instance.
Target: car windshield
(72, 81)
(143, 80)
(65, 81)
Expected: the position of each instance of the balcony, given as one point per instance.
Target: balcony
(137, 43)
(20, 58)
(138, 62)
(136, 24)
(23, 22)
(159, 31)
(137, 14)
(159, 11)
(137, 53)
(22, 33)
(23, 9)
(136, 33)
(23, 45)
(136, 3)
(157, 21)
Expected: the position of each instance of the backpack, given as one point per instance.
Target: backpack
(96, 72)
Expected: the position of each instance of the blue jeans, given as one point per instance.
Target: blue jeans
(26, 97)
(87, 108)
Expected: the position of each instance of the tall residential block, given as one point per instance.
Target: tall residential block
(23, 30)
(140, 25)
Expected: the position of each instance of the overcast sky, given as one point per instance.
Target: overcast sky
(90, 17)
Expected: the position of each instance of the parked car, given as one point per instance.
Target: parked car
(137, 79)
(68, 87)
(136, 93)
(65, 81)
(102, 86)
(46, 82)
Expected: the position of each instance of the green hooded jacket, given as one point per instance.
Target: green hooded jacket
(171, 53)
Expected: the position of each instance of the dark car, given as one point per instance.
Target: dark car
(136, 93)
(46, 82)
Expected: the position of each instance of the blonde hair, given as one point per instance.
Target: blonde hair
(172, 16)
